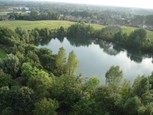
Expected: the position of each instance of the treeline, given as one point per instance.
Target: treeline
(137, 39)
(78, 35)
(10, 38)
(34, 81)
(35, 15)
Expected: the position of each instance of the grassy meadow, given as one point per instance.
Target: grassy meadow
(28, 25)
(128, 30)
(52, 24)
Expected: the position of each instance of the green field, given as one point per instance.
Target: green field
(28, 25)
(128, 30)
(97, 26)
(53, 24)
(2, 53)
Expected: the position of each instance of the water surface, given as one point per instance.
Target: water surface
(96, 57)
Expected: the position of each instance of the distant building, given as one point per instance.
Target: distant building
(21, 8)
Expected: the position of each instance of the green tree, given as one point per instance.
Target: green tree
(3, 97)
(61, 58)
(40, 82)
(108, 32)
(22, 34)
(114, 77)
(10, 65)
(45, 57)
(67, 90)
(45, 33)
(37, 79)
(34, 34)
(46, 107)
(142, 88)
(60, 32)
(34, 15)
(80, 30)
(8, 37)
(107, 101)
(137, 38)
(141, 85)
(85, 106)
(60, 61)
(92, 83)
(132, 105)
(19, 99)
(120, 37)
(5, 79)
(27, 71)
(72, 64)
(149, 109)
(22, 99)
(7, 111)
(32, 57)
(151, 80)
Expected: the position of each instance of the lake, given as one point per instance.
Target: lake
(96, 57)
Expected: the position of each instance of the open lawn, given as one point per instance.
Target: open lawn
(97, 26)
(150, 35)
(28, 25)
(128, 30)
(53, 24)
(2, 53)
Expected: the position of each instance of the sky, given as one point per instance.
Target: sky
(123, 3)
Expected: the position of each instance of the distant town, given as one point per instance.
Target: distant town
(113, 16)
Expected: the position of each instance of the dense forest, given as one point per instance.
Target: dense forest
(34, 81)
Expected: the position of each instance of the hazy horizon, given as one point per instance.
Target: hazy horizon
(117, 3)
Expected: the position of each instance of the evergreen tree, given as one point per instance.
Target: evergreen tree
(60, 61)
(72, 64)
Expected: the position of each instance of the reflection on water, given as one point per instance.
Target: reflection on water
(96, 57)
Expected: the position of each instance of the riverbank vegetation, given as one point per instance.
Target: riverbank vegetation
(128, 37)
(137, 39)
(109, 33)
(35, 81)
